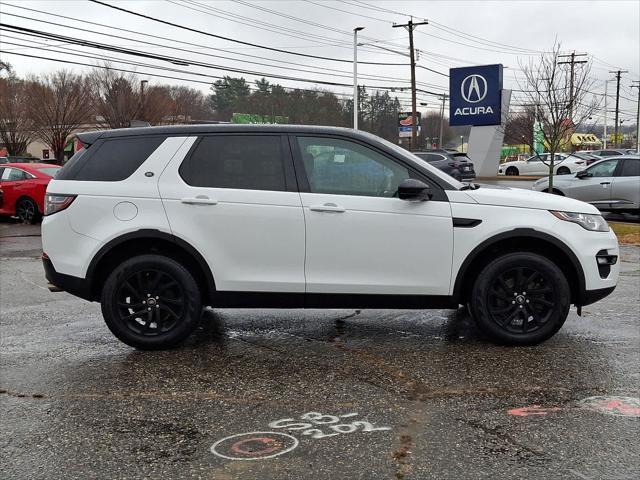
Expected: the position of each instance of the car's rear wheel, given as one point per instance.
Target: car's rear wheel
(520, 299)
(27, 211)
(512, 171)
(564, 171)
(151, 302)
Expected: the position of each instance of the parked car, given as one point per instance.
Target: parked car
(609, 152)
(1, 197)
(612, 184)
(458, 165)
(156, 222)
(4, 160)
(564, 164)
(24, 186)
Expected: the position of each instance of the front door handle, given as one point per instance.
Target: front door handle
(605, 183)
(328, 207)
(199, 200)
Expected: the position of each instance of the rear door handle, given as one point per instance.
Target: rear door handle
(328, 207)
(200, 200)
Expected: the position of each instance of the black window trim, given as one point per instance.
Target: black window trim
(303, 182)
(290, 180)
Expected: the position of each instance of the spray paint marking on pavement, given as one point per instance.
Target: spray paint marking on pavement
(610, 405)
(254, 445)
(619, 406)
(532, 410)
(262, 445)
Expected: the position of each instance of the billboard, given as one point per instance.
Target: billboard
(476, 95)
(251, 118)
(404, 124)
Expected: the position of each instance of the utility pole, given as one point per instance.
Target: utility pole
(572, 62)
(615, 125)
(143, 83)
(636, 84)
(355, 76)
(410, 26)
(444, 98)
(606, 108)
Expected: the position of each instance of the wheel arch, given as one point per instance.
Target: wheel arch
(522, 240)
(149, 241)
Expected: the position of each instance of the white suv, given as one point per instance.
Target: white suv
(157, 222)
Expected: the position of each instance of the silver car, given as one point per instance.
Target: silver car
(611, 184)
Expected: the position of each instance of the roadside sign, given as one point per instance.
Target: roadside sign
(476, 95)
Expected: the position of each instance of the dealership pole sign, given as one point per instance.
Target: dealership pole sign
(405, 121)
(476, 95)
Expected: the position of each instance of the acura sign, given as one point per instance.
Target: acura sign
(475, 95)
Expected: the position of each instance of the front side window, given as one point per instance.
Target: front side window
(603, 169)
(342, 167)
(251, 162)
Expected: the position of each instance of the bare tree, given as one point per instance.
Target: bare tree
(560, 109)
(16, 126)
(59, 104)
(116, 97)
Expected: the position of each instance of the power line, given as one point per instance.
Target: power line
(174, 60)
(242, 42)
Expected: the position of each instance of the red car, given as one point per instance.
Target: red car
(23, 186)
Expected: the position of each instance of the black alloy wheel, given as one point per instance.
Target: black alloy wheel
(512, 172)
(520, 299)
(151, 302)
(27, 211)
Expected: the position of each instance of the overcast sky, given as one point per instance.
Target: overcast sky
(460, 33)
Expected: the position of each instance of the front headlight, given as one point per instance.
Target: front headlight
(593, 223)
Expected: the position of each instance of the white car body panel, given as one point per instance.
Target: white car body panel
(377, 245)
(253, 240)
(92, 215)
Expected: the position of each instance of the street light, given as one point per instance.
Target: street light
(355, 76)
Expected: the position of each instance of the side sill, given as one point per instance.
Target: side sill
(329, 300)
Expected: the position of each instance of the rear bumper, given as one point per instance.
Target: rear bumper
(73, 285)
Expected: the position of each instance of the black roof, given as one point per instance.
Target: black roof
(179, 130)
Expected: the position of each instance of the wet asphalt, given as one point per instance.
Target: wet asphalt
(409, 394)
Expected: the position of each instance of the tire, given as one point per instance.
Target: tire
(151, 302)
(563, 171)
(530, 317)
(512, 171)
(27, 211)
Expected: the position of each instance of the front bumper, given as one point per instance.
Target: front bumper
(587, 297)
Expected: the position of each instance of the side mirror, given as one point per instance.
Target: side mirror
(582, 174)
(414, 190)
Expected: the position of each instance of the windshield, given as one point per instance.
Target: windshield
(423, 163)
(50, 171)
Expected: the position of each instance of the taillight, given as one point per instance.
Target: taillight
(54, 203)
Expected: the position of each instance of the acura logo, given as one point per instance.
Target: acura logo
(474, 88)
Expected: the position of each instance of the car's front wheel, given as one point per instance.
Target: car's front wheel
(520, 299)
(151, 302)
(564, 171)
(512, 171)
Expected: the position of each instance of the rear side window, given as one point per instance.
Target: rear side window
(251, 162)
(110, 161)
(630, 168)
